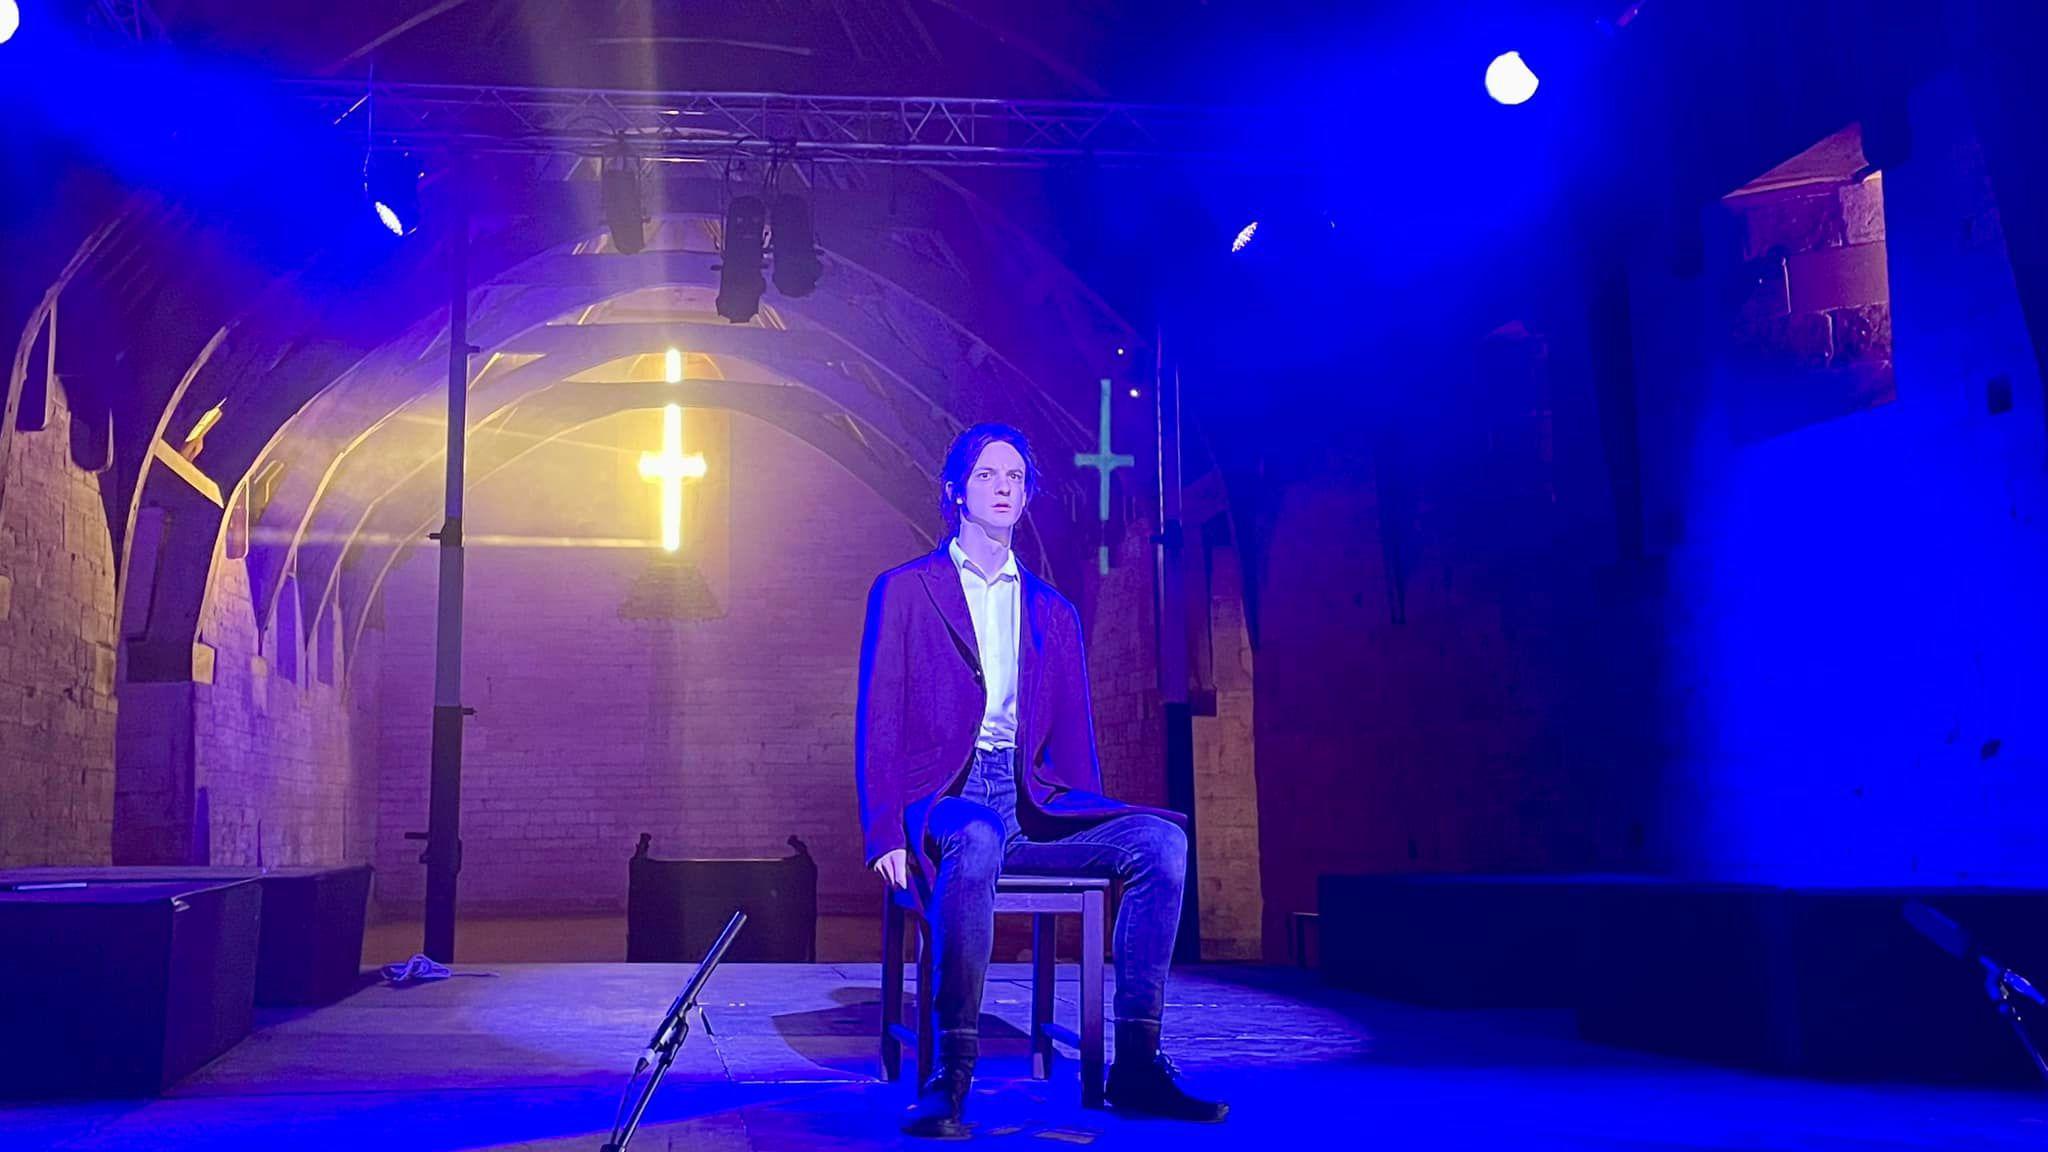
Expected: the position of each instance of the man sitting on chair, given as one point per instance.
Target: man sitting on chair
(976, 754)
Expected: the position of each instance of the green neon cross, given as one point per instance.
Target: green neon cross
(1104, 462)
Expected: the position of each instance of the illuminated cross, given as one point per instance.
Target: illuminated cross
(1104, 461)
(671, 467)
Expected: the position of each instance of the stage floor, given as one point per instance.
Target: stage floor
(533, 1057)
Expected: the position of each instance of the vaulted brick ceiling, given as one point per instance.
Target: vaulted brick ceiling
(944, 299)
(331, 395)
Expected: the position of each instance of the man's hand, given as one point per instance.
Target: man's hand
(894, 866)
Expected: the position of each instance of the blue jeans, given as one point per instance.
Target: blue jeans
(978, 838)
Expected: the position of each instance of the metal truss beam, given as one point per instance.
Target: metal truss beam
(681, 126)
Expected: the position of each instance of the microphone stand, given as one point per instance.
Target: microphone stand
(668, 1038)
(2006, 989)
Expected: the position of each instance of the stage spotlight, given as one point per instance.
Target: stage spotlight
(797, 266)
(391, 180)
(1509, 80)
(10, 20)
(1244, 236)
(620, 178)
(740, 282)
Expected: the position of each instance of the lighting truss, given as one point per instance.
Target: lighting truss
(682, 126)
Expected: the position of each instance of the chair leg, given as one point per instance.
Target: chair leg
(1091, 999)
(892, 986)
(1043, 970)
(927, 1020)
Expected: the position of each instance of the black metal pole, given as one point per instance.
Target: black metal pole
(662, 1060)
(1170, 581)
(669, 1036)
(2011, 1012)
(443, 856)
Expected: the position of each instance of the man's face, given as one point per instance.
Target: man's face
(995, 487)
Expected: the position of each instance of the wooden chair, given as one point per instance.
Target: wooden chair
(1043, 898)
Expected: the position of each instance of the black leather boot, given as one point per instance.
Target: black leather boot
(1144, 1082)
(942, 1100)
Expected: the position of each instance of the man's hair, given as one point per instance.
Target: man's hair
(967, 448)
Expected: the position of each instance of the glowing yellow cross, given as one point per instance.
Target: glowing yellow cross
(671, 467)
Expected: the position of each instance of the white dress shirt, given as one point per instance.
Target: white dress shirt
(994, 605)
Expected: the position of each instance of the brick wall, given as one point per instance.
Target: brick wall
(1130, 722)
(707, 700)
(1226, 781)
(57, 657)
(278, 778)
(1435, 744)
(1123, 674)
(1813, 333)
